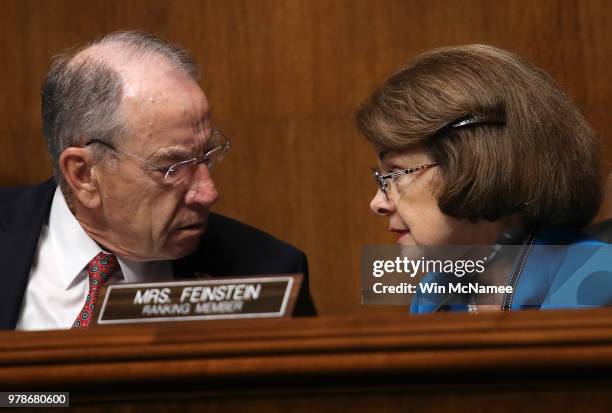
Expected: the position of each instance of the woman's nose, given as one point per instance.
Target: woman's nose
(381, 205)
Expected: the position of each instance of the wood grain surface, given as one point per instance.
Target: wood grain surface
(550, 361)
(284, 78)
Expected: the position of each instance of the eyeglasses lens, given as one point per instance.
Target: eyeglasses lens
(183, 170)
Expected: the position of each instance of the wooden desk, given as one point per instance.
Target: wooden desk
(506, 362)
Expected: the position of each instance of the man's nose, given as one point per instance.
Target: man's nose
(381, 205)
(202, 189)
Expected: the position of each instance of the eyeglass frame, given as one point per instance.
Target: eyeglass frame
(382, 180)
(167, 170)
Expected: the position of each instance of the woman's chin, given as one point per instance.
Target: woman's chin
(406, 240)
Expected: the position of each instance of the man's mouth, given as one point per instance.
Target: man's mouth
(196, 226)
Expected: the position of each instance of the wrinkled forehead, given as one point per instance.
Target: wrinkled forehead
(167, 115)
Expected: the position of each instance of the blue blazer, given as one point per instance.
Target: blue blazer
(228, 248)
(563, 268)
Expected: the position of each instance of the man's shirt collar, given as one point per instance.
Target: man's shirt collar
(73, 247)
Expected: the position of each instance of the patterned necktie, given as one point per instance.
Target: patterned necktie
(99, 271)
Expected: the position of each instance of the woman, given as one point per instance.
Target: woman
(477, 146)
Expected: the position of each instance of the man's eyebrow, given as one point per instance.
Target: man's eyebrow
(170, 154)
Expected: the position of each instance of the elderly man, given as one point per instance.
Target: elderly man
(130, 135)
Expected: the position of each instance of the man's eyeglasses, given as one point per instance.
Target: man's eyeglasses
(383, 180)
(180, 171)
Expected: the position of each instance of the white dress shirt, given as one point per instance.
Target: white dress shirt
(59, 284)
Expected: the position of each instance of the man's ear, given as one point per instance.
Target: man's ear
(77, 166)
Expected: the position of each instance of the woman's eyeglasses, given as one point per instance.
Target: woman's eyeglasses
(383, 180)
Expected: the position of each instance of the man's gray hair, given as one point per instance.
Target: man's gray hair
(81, 97)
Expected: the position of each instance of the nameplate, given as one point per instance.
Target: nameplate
(218, 299)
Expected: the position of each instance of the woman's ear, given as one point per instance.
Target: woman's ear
(77, 166)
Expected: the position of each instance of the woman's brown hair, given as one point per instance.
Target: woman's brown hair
(541, 162)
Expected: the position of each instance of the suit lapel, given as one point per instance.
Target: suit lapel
(19, 233)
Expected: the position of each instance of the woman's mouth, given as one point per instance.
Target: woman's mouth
(400, 233)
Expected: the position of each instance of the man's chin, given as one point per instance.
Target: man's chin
(183, 246)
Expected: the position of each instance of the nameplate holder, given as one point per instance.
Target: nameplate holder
(210, 299)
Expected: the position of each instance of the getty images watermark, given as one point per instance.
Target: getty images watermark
(476, 274)
(393, 275)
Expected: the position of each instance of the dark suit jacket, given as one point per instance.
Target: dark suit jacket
(228, 248)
